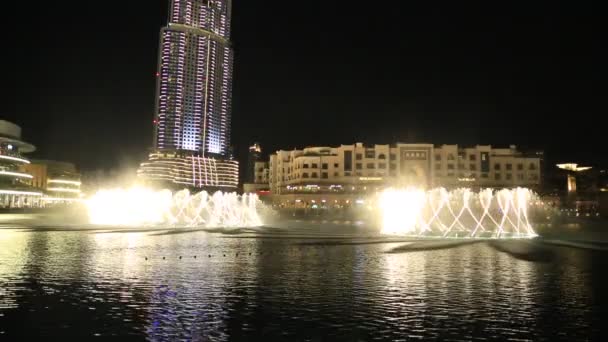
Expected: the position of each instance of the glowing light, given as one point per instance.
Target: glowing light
(136, 206)
(61, 181)
(573, 167)
(461, 212)
(75, 191)
(14, 159)
(60, 199)
(141, 206)
(16, 174)
(401, 210)
(15, 192)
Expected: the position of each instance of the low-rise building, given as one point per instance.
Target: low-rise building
(351, 171)
(60, 181)
(16, 190)
(261, 184)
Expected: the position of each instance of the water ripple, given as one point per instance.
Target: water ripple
(141, 284)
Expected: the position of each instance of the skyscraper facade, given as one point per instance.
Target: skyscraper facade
(194, 98)
(195, 78)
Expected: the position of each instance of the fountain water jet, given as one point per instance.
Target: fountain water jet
(460, 212)
(141, 206)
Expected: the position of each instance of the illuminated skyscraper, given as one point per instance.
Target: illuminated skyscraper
(195, 78)
(194, 98)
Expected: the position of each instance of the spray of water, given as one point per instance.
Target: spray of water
(141, 206)
(461, 212)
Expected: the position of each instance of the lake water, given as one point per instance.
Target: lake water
(317, 282)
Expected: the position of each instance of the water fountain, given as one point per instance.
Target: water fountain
(143, 207)
(457, 213)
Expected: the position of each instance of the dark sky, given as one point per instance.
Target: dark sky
(81, 77)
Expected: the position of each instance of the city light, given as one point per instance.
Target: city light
(61, 181)
(76, 191)
(573, 167)
(22, 160)
(16, 192)
(16, 174)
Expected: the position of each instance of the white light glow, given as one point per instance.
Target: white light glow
(573, 167)
(460, 212)
(16, 174)
(401, 210)
(24, 193)
(75, 191)
(141, 206)
(61, 181)
(60, 199)
(14, 159)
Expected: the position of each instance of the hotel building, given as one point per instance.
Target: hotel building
(194, 103)
(348, 171)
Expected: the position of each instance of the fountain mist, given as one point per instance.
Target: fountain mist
(141, 206)
(461, 212)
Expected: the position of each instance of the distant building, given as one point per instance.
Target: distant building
(194, 100)
(60, 181)
(349, 171)
(254, 155)
(484, 166)
(16, 190)
(261, 177)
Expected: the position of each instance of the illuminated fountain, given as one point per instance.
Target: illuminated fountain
(143, 207)
(457, 213)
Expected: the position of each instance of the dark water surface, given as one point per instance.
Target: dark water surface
(332, 283)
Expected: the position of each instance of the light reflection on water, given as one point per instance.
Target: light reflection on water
(99, 283)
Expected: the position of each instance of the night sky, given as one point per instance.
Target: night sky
(81, 78)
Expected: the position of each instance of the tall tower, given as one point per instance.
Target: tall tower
(193, 104)
(194, 98)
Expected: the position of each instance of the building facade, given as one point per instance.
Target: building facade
(60, 181)
(193, 105)
(193, 102)
(16, 190)
(183, 170)
(358, 170)
(261, 179)
(254, 156)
